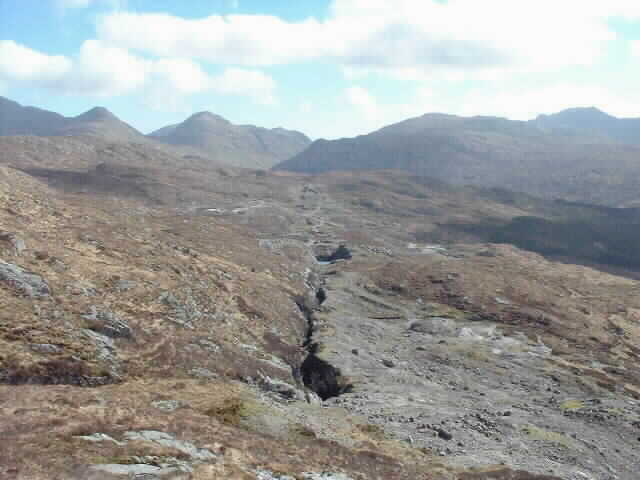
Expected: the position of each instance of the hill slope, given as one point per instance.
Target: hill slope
(238, 145)
(488, 152)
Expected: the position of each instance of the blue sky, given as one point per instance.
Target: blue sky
(330, 68)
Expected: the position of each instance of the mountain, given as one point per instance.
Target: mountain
(16, 119)
(489, 152)
(593, 121)
(238, 145)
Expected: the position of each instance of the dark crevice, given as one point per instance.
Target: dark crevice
(320, 376)
(341, 253)
(317, 374)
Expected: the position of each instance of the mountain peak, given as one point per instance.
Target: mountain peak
(95, 114)
(207, 116)
(579, 113)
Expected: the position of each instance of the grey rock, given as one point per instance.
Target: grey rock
(105, 350)
(124, 285)
(99, 437)
(183, 312)
(433, 326)
(268, 475)
(27, 283)
(166, 440)
(107, 323)
(45, 348)
(325, 476)
(444, 434)
(114, 471)
(201, 372)
(86, 289)
(281, 388)
(388, 363)
(167, 405)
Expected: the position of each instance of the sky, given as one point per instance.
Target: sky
(329, 68)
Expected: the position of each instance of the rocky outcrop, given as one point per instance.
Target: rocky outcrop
(107, 323)
(28, 284)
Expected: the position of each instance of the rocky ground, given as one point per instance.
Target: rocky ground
(192, 333)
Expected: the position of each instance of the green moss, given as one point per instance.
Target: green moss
(540, 434)
(572, 405)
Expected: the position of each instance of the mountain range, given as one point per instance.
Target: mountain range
(579, 154)
(204, 134)
(554, 156)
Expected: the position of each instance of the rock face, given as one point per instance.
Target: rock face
(28, 284)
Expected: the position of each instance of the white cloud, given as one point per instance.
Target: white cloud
(104, 70)
(364, 102)
(524, 104)
(74, 3)
(501, 100)
(256, 84)
(235, 39)
(181, 75)
(22, 64)
(404, 37)
(70, 4)
(635, 49)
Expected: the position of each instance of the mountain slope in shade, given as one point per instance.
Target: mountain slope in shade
(489, 152)
(238, 145)
(593, 121)
(16, 119)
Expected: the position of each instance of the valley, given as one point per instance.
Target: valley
(169, 316)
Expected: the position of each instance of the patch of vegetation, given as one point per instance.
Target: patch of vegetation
(604, 235)
(540, 434)
(572, 405)
(372, 430)
(600, 239)
(233, 411)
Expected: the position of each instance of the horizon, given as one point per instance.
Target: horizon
(352, 67)
(293, 128)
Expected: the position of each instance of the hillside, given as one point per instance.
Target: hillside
(488, 152)
(167, 316)
(237, 145)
